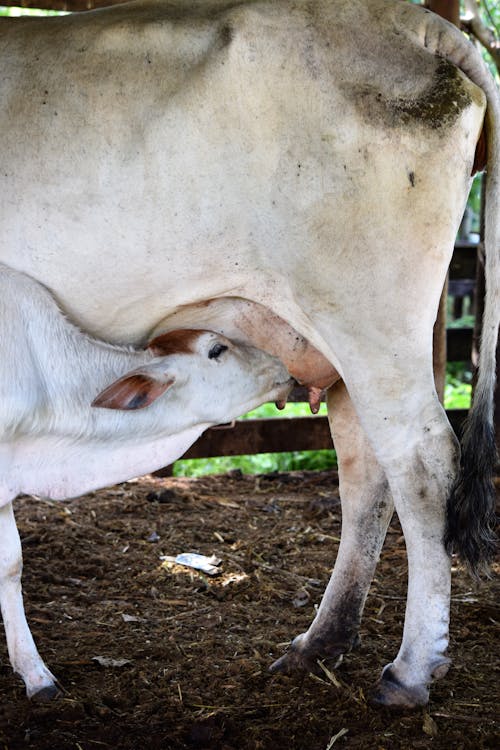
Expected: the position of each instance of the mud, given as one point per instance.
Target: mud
(188, 654)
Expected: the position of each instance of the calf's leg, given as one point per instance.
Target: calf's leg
(23, 654)
(367, 508)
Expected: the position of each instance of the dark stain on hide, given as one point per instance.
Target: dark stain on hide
(339, 634)
(226, 35)
(411, 177)
(437, 107)
(440, 105)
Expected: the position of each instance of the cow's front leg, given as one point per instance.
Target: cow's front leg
(24, 657)
(366, 511)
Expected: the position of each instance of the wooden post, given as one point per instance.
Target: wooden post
(449, 9)
(497, 401)
(439, 349)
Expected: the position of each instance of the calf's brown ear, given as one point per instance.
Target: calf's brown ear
(133, 391)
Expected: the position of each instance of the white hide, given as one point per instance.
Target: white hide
(313, 158)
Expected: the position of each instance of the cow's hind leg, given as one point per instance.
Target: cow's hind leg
(24, 657)
(418, 451)
(366, 510)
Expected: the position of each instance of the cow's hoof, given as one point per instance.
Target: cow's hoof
(292, 661)
(300, 658)
(391, 693)
(46, 694)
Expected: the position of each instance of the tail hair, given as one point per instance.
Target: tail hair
(471, 511)
(471, 506)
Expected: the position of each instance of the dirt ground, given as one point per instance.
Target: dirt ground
(188, 654)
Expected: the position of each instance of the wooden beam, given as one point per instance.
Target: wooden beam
(274, 435)
(439, 349)
(250, 436)
(67, 5)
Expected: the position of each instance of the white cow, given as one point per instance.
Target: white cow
(313, 160)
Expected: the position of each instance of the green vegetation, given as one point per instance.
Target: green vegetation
(474, 201)
(458, 388)
(263, 463)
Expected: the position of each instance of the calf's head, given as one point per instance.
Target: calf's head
(202, 374)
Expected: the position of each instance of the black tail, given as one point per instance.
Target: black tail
(471, 516)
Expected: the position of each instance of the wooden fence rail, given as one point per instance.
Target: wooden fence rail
(61, 5)
(276, 434)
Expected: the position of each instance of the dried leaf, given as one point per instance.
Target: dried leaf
(336, 737)
(429, 726)
(331, 676)
(226, 503)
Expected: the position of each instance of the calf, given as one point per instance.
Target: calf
(74, 418)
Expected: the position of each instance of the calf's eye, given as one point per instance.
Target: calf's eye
(216, 351)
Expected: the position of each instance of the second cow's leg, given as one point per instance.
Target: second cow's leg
(23, 654)
(366, 511)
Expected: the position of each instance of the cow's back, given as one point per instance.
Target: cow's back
(151, 140)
